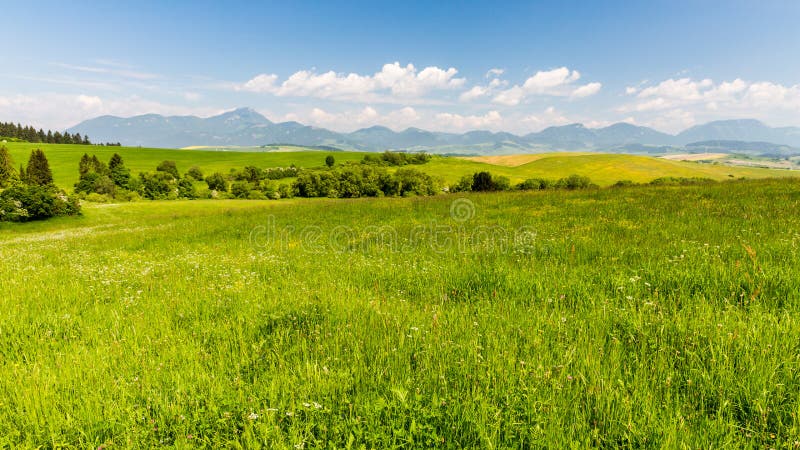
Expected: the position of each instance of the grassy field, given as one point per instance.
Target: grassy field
(603, 169)
(637, 317)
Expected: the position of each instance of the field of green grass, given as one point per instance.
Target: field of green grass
(603, 169)
(637, 317)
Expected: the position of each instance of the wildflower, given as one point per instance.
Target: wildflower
(252, 416)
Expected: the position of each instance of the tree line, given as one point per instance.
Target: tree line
(31, 134)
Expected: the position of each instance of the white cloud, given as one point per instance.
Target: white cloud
(457, 122)
(510, 97)
(261, 83)
(351, 120)
(548, 118)
(495, 73)
(114, 69)
(392, 83)
(556, 82)
(586, 90)
(679, 102)
(472, 94)
(544, 82)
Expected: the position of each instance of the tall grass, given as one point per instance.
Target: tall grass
(642, 317)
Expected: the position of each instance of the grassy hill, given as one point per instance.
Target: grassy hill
(636, 318)
(603, 169)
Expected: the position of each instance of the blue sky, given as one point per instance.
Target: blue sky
(451, 66)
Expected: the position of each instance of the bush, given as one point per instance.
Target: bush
(158, 185)
(681, 181)
(624, 183)
(463, 185)
(412, 181)
(169, 167)
(388, 158)
(217, 182)
(94, 197)
(240, 189)
(484, 182)
(22, 203)
(186, 189)
(573, 182)
(286, 191)
(535, 184)
(195, 173)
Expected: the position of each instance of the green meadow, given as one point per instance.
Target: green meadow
(604, 169)
(633, 317)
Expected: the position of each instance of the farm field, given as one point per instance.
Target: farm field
(633, 317)
(603, 168)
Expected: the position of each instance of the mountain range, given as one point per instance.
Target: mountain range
(246, 127)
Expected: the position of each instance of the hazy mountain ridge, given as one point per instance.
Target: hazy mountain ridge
(246, 127)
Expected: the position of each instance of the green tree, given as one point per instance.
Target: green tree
(170, 168)
(38, 172)
(119, 174)
(482, 181)
(195, 172)
(8, 174)
(217, 182)
(330, 161)
(85, 165)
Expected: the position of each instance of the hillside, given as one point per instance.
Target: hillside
(603, 169)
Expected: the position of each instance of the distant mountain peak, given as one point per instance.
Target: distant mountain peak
(246, 127)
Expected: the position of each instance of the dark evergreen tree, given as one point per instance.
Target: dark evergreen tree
(8, 174)
(84, 166)
(119, 174)
(38, 172)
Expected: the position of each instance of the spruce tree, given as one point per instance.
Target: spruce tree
(119, 173)
(38, 173)
(84, 166)
(8, 174)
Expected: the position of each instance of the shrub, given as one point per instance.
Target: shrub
(412, 181)
(484, 181)
(330, 161)
(535, 184)
(186, 189)
(21, 203)
(240, 189)
(195, 173)
(158, 185)
(681, 181)
(217, 182)
(573, 182)
(286, 191)
(389, 158)
(463, 185)
(169, 167)
(94, 197)
(624, 183)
